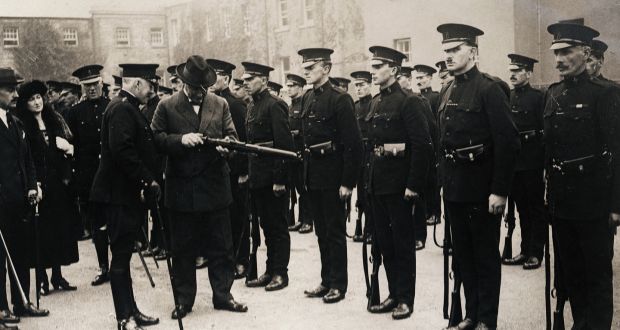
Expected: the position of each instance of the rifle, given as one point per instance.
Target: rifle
(447, 244)
(456, 312)
(372, 281)
(157, 214)
(358, 235)
(509, 218)
(347, 208)
(146, 268)
(255, 235)
(249, 148)
(291, 215)
(558, 291)
(547, 282)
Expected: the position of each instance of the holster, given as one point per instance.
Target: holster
(527, 136)
(322, 149)
(467, 154)
(390, 150)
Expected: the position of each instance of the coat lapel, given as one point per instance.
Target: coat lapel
(207, 111)
(186, 110)
(6, 132)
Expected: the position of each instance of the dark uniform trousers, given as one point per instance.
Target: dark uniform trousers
(396, 237)
(191, 230)
(239, 217)
(305, 215)
(475, 235)
(123, 227)
(474, 112)
(586, 270)
(15, 231)
(582, 122)
(330, 228)
(528, 191)
(271, 211)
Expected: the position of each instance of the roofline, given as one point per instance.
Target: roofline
(160, 12)
(44, 17)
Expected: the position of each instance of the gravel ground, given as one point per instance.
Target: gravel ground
(521, 305)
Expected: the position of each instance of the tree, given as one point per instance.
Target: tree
(41, 53)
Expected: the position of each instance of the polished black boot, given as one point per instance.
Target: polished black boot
(102, 277)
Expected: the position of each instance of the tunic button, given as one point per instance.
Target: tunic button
(447, 133)
(447, 118)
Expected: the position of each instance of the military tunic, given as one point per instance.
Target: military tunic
(333, 159)
(402, 156)
(582, 127)
(478, 149)
(528, 185)
(267, 123)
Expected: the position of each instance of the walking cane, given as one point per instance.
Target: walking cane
(157, 214)
(12, 266)
(37, 254)
(146, 268)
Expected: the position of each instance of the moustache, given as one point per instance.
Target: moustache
(561, 67)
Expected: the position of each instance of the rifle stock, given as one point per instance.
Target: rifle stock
(253, 269)
(510, 223)
(446, 271)
(373, 294)
(251, 148)
(358, 236)
(456, 311)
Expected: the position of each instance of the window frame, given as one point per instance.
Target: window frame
(67, 31)
(305, 7)
(283, 15)
(5, 39)
(407, 53)
(117, 39)
(160, 32)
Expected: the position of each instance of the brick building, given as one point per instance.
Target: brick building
(272, 31)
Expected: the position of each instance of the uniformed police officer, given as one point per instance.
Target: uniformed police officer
(362, 81)
(404, 78)
(597, 60)
(84, 120)
(267, 124)
(239, 92)
(582, 127)
(175, 82)
(238, 163)
(295, 87)
(331, 168)
(528, 187)
(444, 75)
(423, 76)
(399, 167)
(479, 143)
(342, 83)
(274, 88)
(126, 171)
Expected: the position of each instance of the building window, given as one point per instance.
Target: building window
(174, 32)
(285, 66)
(157, 37)
(308, 12)
(403, 46)
(208, 28)
(226, 22)
(247, 27)
(122, 37)
(10, 37)
(283, 13)
(70, 37)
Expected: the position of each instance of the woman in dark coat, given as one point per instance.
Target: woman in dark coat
(58, 223)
